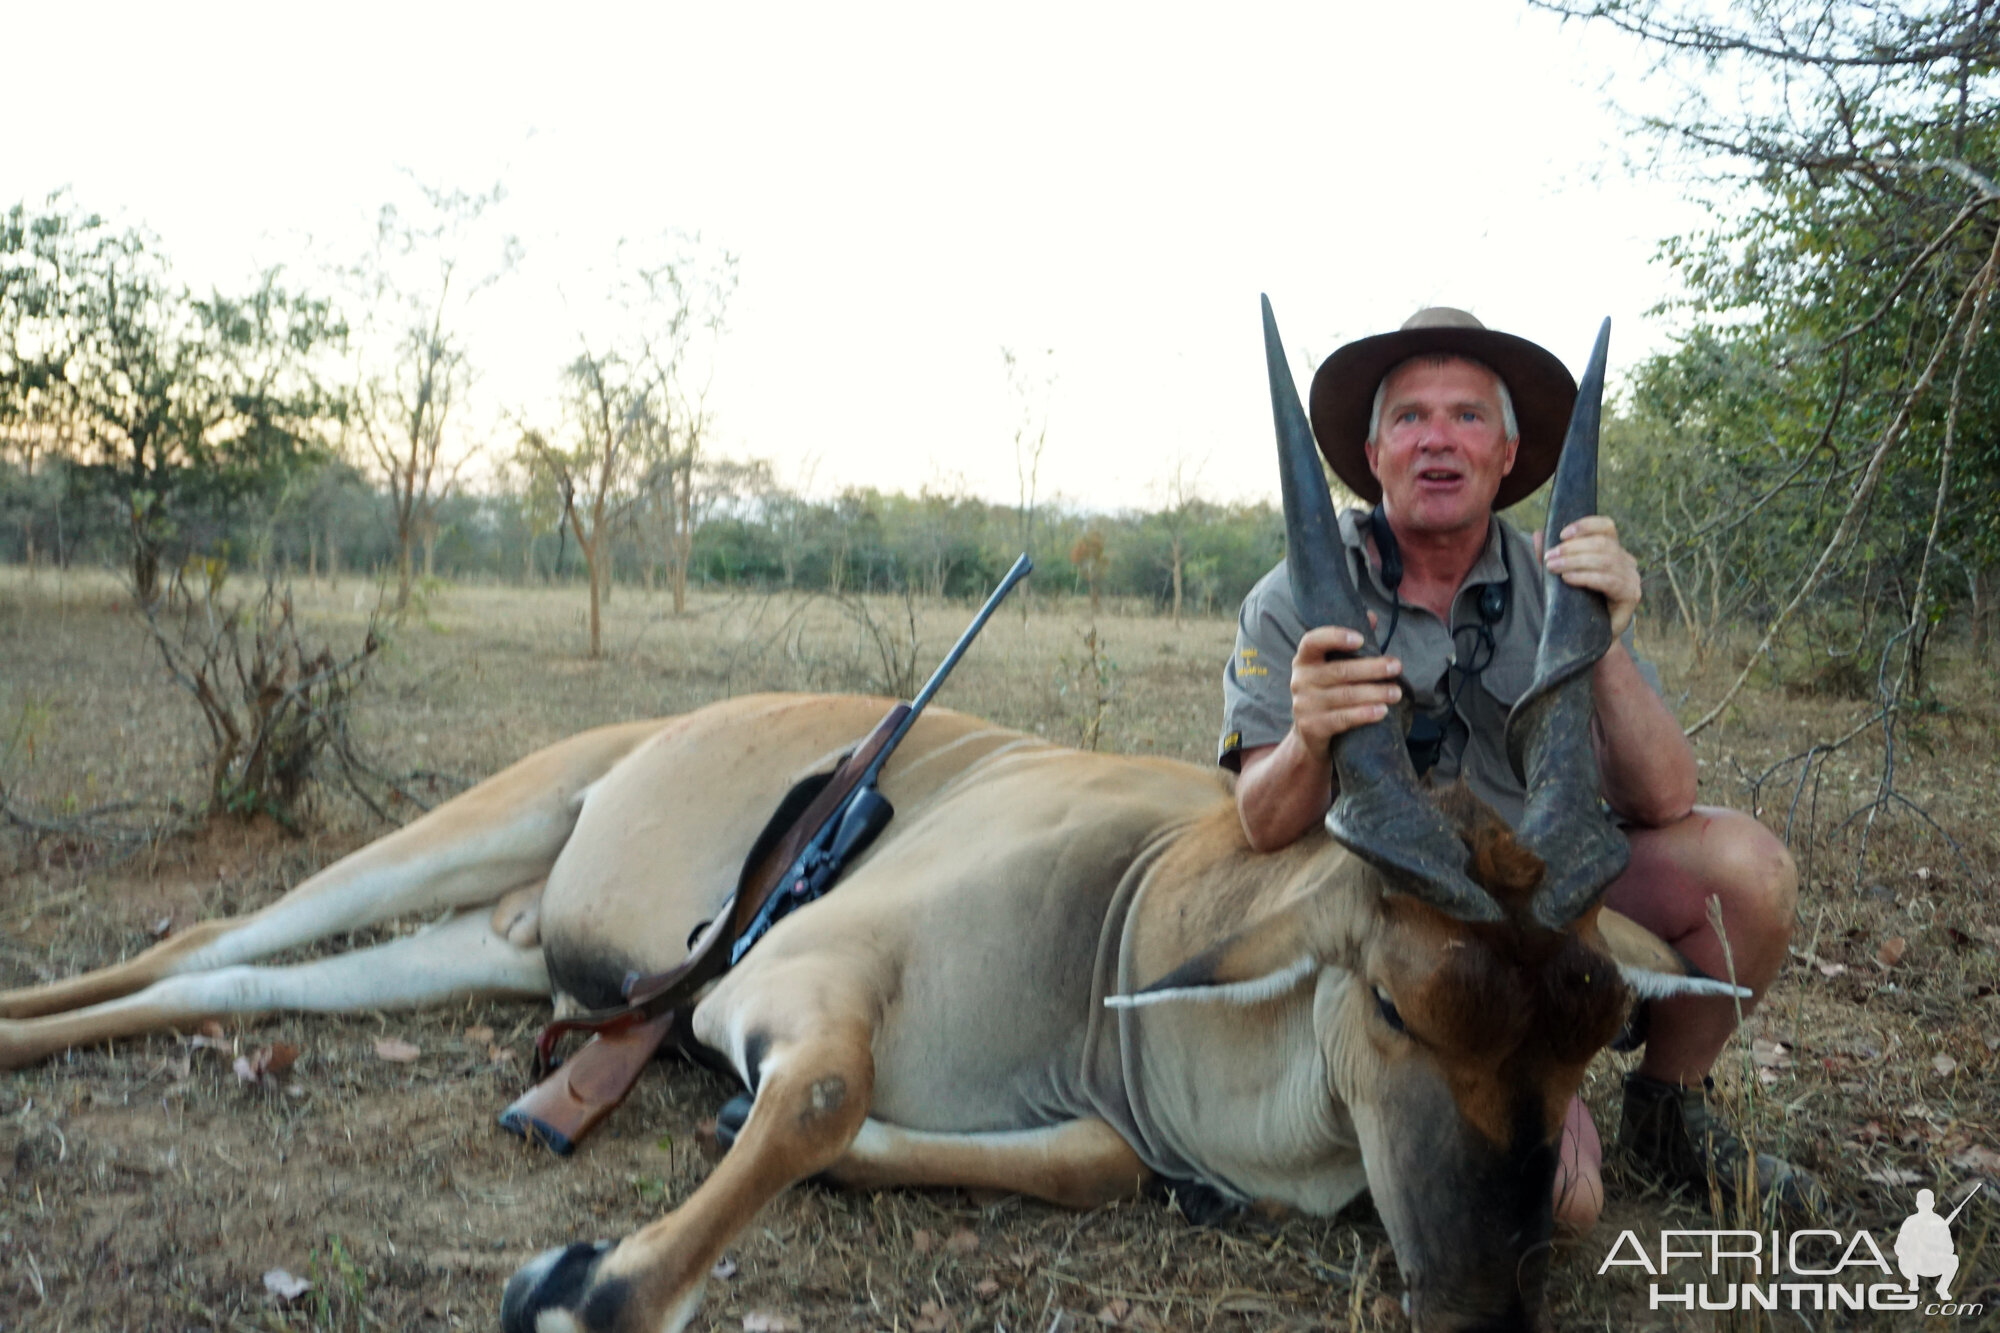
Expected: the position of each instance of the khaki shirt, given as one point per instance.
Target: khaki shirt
(1257, 683)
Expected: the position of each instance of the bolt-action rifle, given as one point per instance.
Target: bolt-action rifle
(792, 863)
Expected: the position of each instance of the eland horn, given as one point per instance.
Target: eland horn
(1381, 814)
(1548, 733)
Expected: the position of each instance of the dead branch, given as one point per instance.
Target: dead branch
(275, 708)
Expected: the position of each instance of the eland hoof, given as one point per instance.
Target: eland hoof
(550, 1283)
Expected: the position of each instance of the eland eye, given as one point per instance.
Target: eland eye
(1387, 1008)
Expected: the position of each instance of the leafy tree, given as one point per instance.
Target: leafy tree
(427, 266)
(677, 303)
(175, 409)
(612, 438)
(1843, 296)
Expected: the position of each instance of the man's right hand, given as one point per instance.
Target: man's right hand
(1330, 697)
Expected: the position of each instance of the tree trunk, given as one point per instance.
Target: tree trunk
(1982, 614)
(678, 575)
(596, 630)
(145, 574)
(405, 572)
(332, 559)
(1177, 578)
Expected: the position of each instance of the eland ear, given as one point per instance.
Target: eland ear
(1256, 964)
(1653, 968)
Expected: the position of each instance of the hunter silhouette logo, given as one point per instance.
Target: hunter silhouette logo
(1923, 1244)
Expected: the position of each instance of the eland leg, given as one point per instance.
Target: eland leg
(455, 959)
(501, 835)
(808, 1057)
(1077, 1164)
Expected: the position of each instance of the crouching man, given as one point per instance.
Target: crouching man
(1439, 425)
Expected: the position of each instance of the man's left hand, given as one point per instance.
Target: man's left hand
(1590, 556)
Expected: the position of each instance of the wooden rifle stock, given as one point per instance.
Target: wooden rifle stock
(558, 1111)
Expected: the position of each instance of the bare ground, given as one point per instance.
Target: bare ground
(148, 1187)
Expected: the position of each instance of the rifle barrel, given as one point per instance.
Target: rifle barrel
(1022, 568)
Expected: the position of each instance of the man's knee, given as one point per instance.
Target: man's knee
(1750, 868)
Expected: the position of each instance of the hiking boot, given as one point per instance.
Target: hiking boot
(1671, 1132)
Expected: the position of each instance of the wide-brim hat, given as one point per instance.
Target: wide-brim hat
(1343, 395)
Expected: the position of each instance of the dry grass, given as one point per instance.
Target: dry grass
(145, 1187)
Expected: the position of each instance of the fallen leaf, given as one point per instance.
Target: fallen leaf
(1977, 1158)
(922, 1241)
(962, 1241)
(1114, 1312)
(284, 1286)
(1944, 1064)
(1892, 951)
(1387, 1310)
(1892, 1175)
(931, 1318)
(162, 926)
(1832, 969)
(263, 1066)
(1247, 1305)
(480, 1036)
(764, 1321)
(211, 1029)
(396, 1050)
(725, 1268)
(1770, 1054)
(986, 1287)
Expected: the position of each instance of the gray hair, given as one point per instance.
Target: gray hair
(1512, 426)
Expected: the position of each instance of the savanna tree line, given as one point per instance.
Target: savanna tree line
(182, 436)
(1807, 474)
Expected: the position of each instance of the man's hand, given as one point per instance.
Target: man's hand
(1590, 556)
(1332, 697)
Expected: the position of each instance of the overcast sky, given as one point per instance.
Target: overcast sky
(1105, 189)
